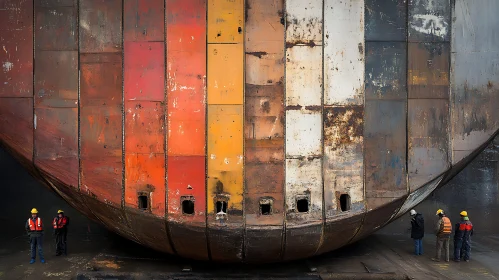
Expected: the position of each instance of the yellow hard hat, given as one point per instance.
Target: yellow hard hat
(464, 213)
(34, 211)
(60, 211)
(439, 211)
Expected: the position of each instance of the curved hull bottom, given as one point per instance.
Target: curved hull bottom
(252, 244)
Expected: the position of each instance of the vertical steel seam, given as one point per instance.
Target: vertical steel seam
(243, 85)
(206, 131)
(78, 93)
(450, 98)
(366, 205)
(33, 85)
(408, 188)
(123, 159)
(319, 245)
(165, 110)
(284, 222)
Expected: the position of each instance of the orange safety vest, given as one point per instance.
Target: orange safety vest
(60, 222)
(447, 228)
(35, 226)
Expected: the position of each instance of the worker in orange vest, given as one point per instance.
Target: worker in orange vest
(443, 231)
(60, 225)
(34, 227)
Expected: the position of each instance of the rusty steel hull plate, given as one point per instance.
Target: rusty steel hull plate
(247, 130)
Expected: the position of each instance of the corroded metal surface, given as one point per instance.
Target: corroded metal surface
(144, 106)
(225, 139)
(264, 129)
(256, 130)
(303, 117)
(16, 76)
(474, 75)
(186, 72)
(16, 55)
(56, 91)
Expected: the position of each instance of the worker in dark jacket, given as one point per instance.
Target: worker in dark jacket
(34, 228)
(417, 231)
(60, 225)
(462, 238)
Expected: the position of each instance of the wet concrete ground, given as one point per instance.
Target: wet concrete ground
(106, 256)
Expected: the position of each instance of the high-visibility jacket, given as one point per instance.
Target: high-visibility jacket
(35, 226)
(60, 222)
(463, 230)
(446, 227)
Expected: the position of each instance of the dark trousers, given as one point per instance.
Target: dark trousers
(442, 243)
(462, 249)
(36, 241)
(418, 246)
(61, 243)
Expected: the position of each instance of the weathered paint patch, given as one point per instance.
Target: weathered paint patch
(186, 53)
(344, 52)
(429, 21)
(303, 122)
(56, 84)
(16, 49)
(428, 128)
(385, 148)
(304, 65)
(144, 21)
(16, 125)
(428, 70)
(101, 127)
(386, 21)
(225, 21)
(56, 92)
(56, 26)
(144, 71)
(264, 130)
(225, 152)
(186, 181)
(225, 87)
(144, 154)
(386, 76)
(474, 76)
(304, 184)
(304, 22)
(56, 143)
(144, 94)
(100, 26)
(303, 134)
(225, 156)
(343, 159)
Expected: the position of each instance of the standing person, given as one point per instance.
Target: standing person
(462, 238)
(443, 231)
(60, 224)
(417, 231)
(34, 227)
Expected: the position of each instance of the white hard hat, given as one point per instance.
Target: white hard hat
(413, 212)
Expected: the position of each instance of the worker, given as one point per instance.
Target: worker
(60, 224)
(417, 231)
(443, 231)
(462, 238)
(34, 227)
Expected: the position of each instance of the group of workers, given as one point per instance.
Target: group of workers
(462, 235)
(34, 228)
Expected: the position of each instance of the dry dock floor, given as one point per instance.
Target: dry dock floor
(380, 256)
